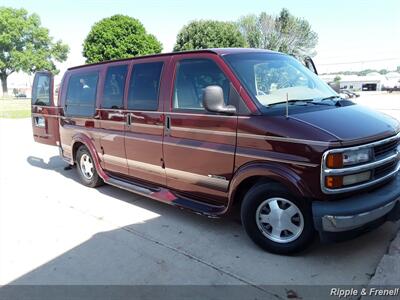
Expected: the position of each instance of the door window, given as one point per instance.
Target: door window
(144, 86)
(81, 94)
(41, 93)
(192, 77)
(113, 94)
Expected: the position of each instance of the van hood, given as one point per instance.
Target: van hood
(351, 124)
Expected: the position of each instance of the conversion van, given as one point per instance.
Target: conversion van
(214, 129)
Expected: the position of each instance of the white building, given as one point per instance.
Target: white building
(371, 82)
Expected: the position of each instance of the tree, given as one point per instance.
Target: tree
(209, 34)
(398, 69)
(248, 26)
(365, 72)
(337, 78)
(118, 37)
(285, 33)
(25, 45)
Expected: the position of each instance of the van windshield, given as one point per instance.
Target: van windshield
(273, 78)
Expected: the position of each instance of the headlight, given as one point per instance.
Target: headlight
(356, 157)
(348, 158)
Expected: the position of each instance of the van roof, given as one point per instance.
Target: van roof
(217, 51)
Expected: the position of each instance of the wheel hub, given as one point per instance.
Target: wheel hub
(280, 220)
(86, 165)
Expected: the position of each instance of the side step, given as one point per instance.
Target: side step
(167, 196)
(199, 207)
(131, 187)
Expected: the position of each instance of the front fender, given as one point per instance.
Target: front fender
(276, 172)
(85, 140)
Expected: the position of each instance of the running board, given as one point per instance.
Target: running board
(200, 207)
(135, 188)
(166, 196)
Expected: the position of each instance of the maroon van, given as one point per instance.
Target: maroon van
(212, 129)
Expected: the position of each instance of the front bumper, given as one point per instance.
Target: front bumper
(358, 211)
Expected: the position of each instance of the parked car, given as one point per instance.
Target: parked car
(20, 95)
(211, 130)
(395, 88)
(349, 94)
(391, 85)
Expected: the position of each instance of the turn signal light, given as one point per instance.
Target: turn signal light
(333, 182)
(334, 160)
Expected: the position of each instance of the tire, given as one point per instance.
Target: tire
(268, 204)
(87, 169)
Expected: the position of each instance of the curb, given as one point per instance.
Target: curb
(387, 272)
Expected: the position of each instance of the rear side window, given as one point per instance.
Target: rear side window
(81, 94)
(113, 94)
(144, 86)
(192, 77)
(41, 94)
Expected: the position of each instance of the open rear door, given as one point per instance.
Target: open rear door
(45, 114)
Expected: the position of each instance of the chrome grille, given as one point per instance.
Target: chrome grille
(385, 169)
(384, 165)
(385, 148)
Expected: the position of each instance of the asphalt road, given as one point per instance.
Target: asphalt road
(53, 230)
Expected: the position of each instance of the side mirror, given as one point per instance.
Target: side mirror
(309, 63)
(213, 100)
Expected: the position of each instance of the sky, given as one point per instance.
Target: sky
(353, 34)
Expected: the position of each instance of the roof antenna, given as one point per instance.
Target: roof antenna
(287, 105)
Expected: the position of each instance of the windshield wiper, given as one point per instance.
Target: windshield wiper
(330, 98)
(337, 103)
(315, 101)
(292, 101)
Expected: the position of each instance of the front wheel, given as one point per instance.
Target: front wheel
(275, 220)
(86, 168)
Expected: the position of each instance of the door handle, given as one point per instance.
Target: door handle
(129, 119)
(167, 125)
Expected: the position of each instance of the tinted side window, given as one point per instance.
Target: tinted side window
(113, 94)
(192, 77)
(81, 94)
(41, 94)
(144, 85)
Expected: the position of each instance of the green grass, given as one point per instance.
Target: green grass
(15, 108)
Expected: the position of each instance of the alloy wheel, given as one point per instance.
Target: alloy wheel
(86, 165)
(280, 220)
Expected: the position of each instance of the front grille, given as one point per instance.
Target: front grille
(384, 164)
(385, 169)
(382, 150)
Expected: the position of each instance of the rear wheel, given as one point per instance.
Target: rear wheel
(86, 168)
(276, 220)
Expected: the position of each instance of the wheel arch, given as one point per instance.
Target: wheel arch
(253, 173)
(82, 140)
